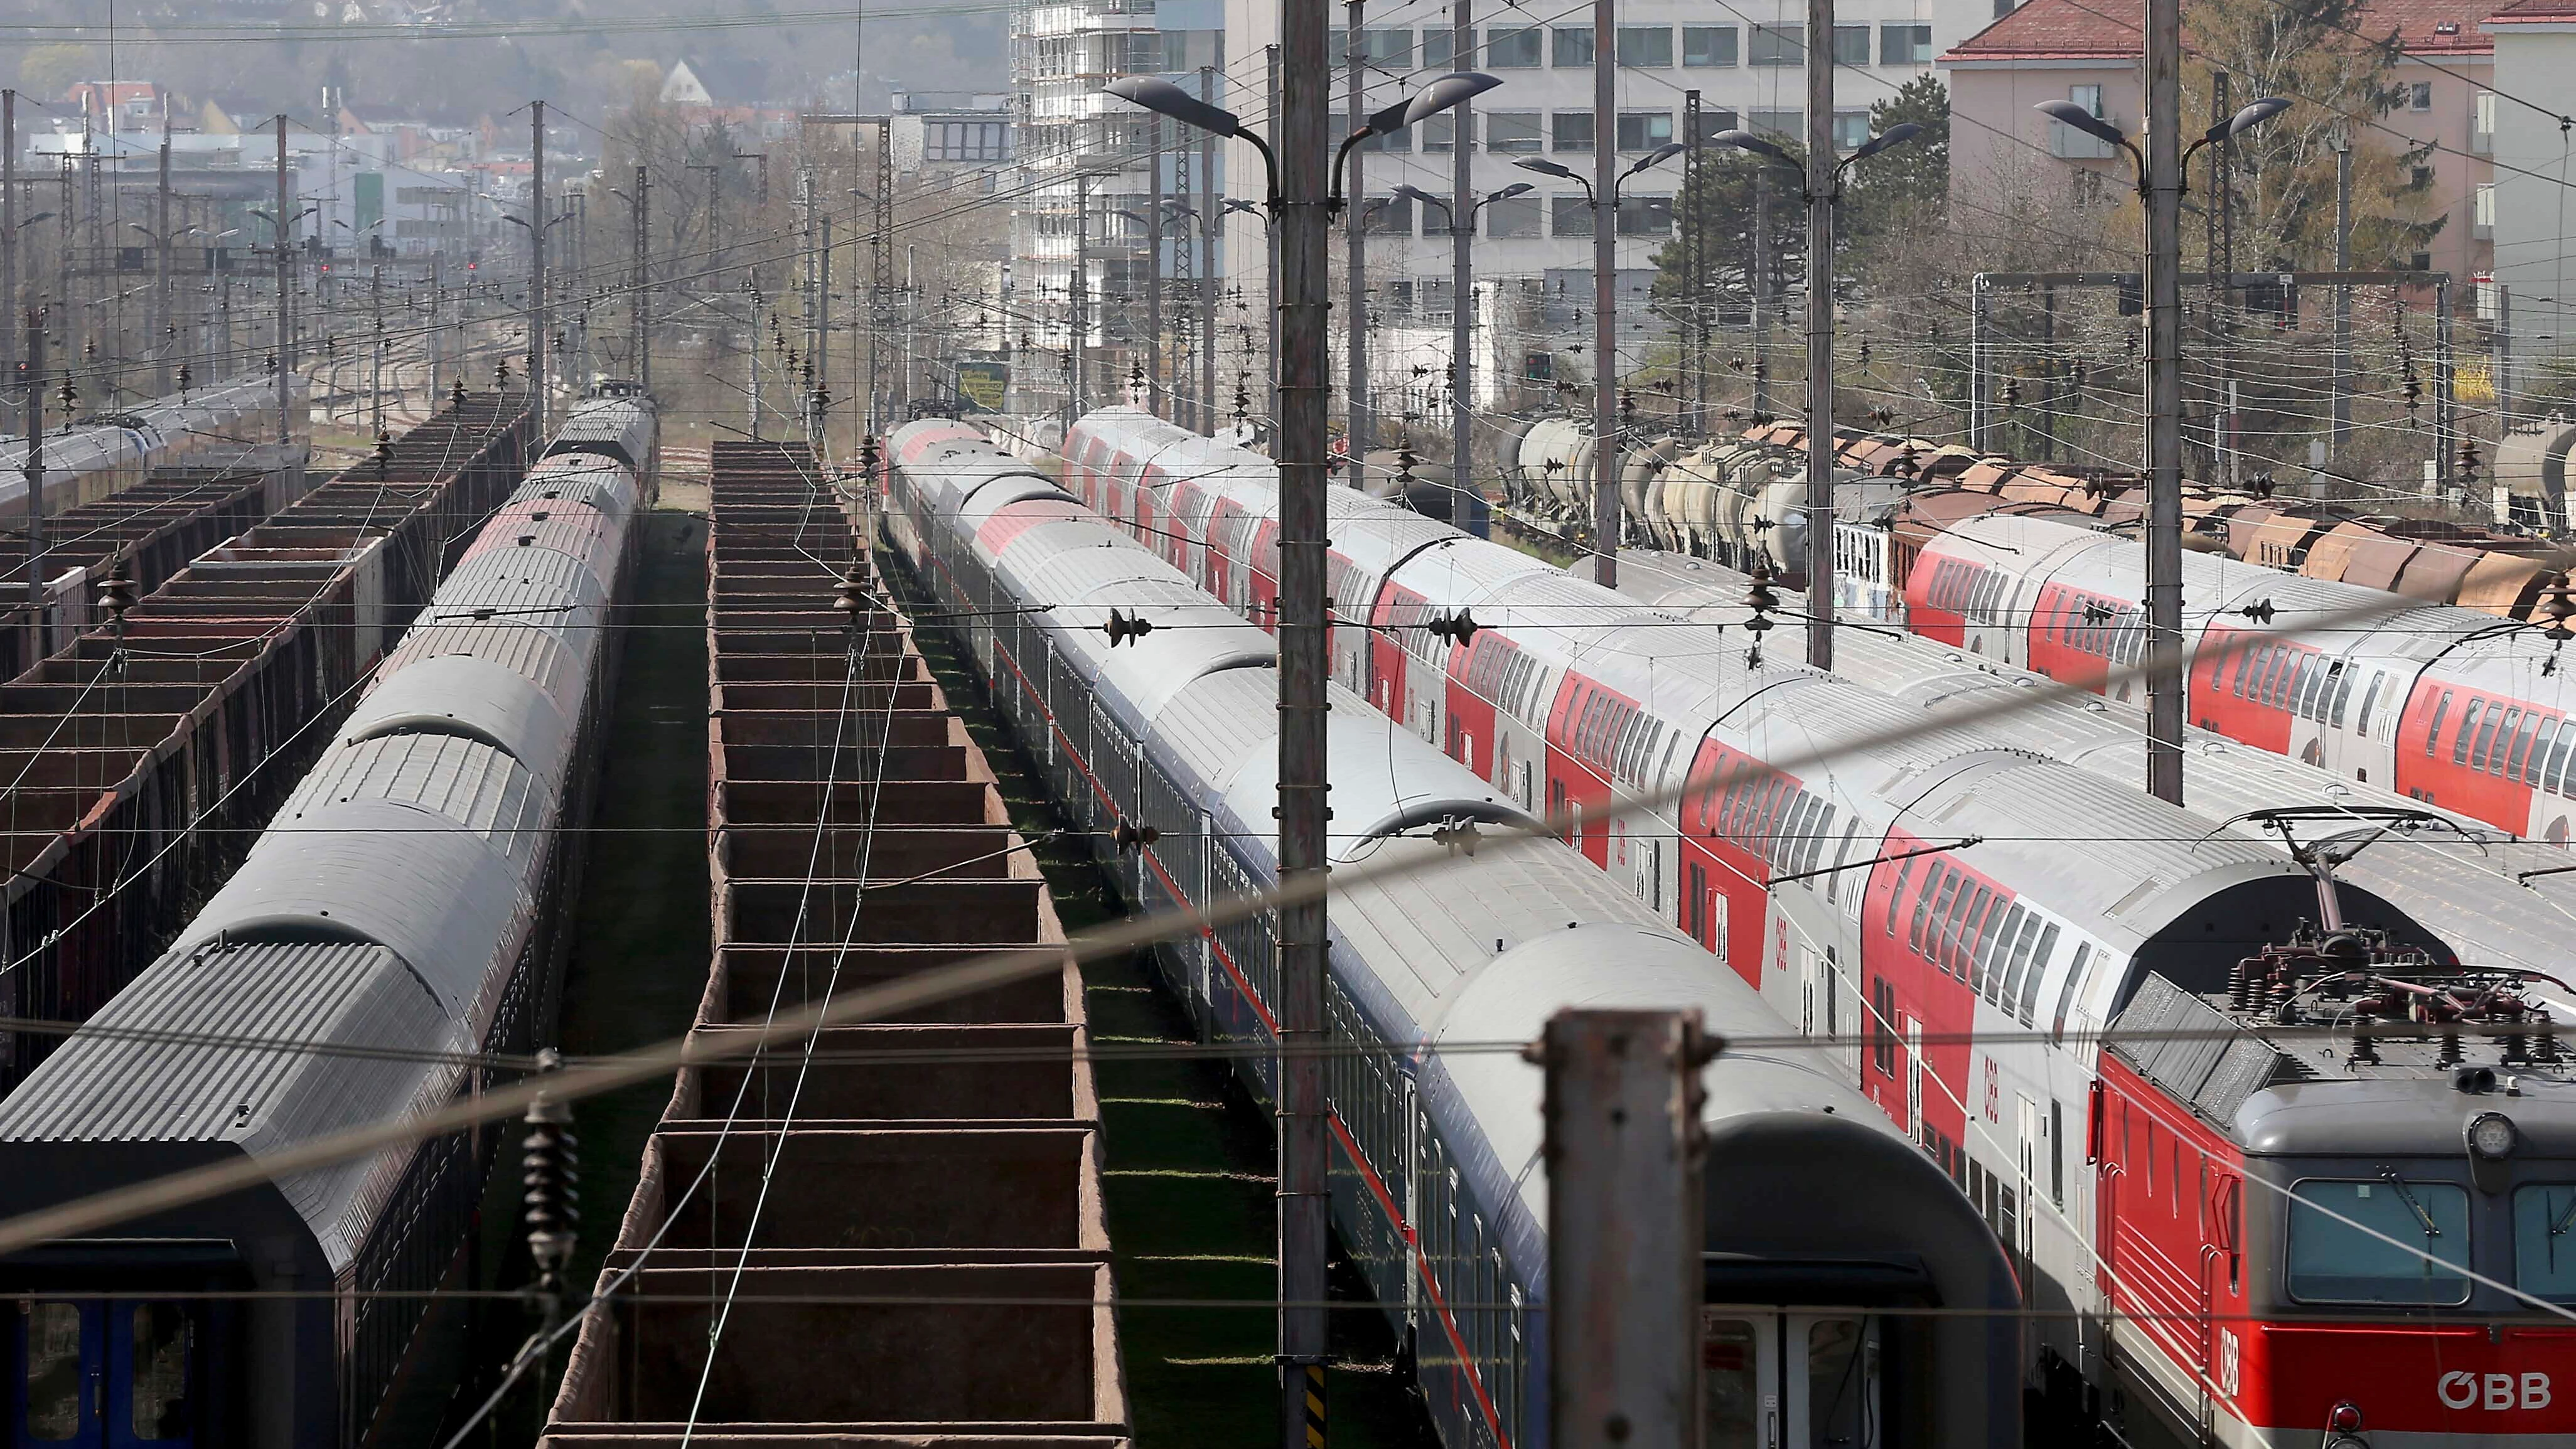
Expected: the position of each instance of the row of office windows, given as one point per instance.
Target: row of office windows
(1650, 47)
(1522, 216)
(1530, 132)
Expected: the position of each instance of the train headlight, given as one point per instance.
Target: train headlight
(2492, 1136)
(2344, 1418)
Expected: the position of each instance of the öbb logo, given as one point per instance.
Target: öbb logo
(2493, 1391)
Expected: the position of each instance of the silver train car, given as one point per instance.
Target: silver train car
(112, 452)
(1824, 1224)
(406, 896)
(1995, 891)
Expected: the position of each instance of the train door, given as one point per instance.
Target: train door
(104, 1373)
(1789, 1381)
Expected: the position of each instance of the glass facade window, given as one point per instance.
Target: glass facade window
(1569, 45)
(1645, 216)
(1778, 45)
(1392, 49)
(1905, 45)
(1570, 131)
(1571, 215)
(1851, 45)
(1713, 119)
(1387, 216)
(1708, 46)
(1440, 49)
(2331, 1261)
(1512, 49)
(1511, 131)
(1439, 132)
(1778, 125)
(1644, 130)
(1513, 216)
(1851, 128)
(1646, 45)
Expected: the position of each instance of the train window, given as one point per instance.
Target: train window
(2494, 738)
(1896, 894)
(2468, 728)
(2025, 1002)
(1927, 938)
(2544, 1240)
(1923, 905)
(1981, 954)
(2389, 1240)
(1882, 1026)
(1959, 932)
(55, 1384)
(2555, 780)
(2065, 991)
(2304, 675)
(2512, 767)
(2012, 950)
(2342, 695)
(2528, 770)
(1819, 830)
(160, 1371)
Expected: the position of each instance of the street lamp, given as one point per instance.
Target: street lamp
(1302, 203)
(1461, 337)
(2160, 186)
(1605, 349)
(1821, 185)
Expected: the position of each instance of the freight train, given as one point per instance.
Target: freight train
(398, 921)
(2234, 1118)
(1853, 1295)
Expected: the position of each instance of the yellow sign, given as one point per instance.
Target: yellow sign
(985, 384)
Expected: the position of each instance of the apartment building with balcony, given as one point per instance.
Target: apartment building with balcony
(1076, 147)
(2090, 53)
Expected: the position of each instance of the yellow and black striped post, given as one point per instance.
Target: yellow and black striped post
(1314, 1406)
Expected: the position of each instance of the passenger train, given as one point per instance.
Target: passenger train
(109, 452)
(1825, 1227)
(405, 899)
(1975, 914)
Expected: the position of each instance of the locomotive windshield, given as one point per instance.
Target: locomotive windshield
(2385, 1240)
(2544, 1240)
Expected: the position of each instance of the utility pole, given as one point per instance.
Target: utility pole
(1761, 293)
(2343, 294)
(285, 300)
(8, 222)
(1077, 294)
(35, 422)
(429, 340)
(2164, 399)
(1304, 216)
(2503, 365)
(810, 297)
(161, 324)
(1624, 1157)
(2221, 296)
(537, 271)
(1462, 281)
(1355, 406)
(1605, 293)
(1695, 318)
(1154, 394)
(881, 276)
(639, 281)
(818, 396)
(376, 379)
(1820, 333)
(1211, 213)
(1270, 274)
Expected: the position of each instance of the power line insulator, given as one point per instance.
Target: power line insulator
(550, 1182)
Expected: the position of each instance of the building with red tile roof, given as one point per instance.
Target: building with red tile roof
(2088, 51)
